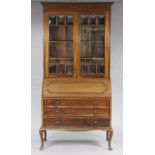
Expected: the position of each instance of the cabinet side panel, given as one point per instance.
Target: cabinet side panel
(45, 45)
(74, 46)
(42, 106)
(107, 45)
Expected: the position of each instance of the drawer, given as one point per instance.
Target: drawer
(77, 112)
(77, 122)
(77, 103)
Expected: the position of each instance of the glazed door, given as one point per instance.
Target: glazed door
(59, 45)
(76, 45)
(92, 45)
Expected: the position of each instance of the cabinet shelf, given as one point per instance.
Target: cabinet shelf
(72, 40)
(59, 25)
(93, 58)
(53, 41)
(61, 58)
(92, 25)
(97, 41)
(97, 74)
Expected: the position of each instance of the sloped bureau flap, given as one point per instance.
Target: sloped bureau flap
(76, 88)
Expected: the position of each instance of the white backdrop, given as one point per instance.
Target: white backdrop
(93, 142)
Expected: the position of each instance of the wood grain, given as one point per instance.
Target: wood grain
(77, 103)
(78, 112)
(76, 7)
(46, 48)
(76, 88)
(107, 45)
(83, 122)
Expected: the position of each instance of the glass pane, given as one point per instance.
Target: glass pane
(92, 66)
(61, 20)
(92, 20)
(101, 20)
(61, 66)
(52, 20)
(92, 44)
(84, 20)
(61, 45)
(92, 33)
(69, 20)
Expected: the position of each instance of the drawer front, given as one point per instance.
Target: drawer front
(77, 103)
(77, 122)
(76, 112)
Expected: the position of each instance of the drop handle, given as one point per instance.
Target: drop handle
(57, 123)
(95, 111)
(57, 104)
(95, 123)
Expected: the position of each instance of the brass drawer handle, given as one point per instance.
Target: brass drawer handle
(95, 111)
(57, 103)
(57, 123)
(95, 123)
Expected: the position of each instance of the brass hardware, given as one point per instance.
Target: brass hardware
(57, 123)
(57, 103)
(95, 123)
(95, 111)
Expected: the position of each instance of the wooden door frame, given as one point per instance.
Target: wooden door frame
(107, 15)
(46, 44)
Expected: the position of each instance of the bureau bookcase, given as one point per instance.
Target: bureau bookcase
(76, 91)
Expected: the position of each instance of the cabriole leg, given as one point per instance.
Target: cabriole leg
(41, 132)
(107, 135)
(109, 138)
(45, 135)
